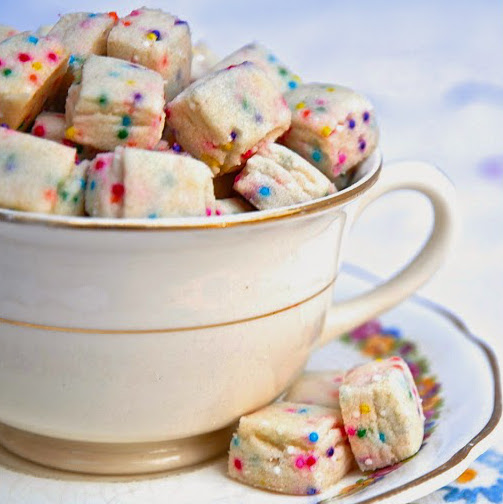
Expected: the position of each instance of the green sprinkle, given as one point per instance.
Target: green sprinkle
(7, 72)
(283, 71)
(321, 109)
(245, 103)
(103, 100)
(123, 133)
(361, 433)
(75, 199)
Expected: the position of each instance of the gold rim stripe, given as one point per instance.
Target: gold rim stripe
(31, 325)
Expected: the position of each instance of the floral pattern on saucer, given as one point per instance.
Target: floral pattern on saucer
(376, 341)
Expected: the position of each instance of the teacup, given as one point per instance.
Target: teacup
(133, 346)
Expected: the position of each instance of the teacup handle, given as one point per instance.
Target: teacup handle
(430, 181)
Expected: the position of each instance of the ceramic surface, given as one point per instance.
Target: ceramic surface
(128, 332)
(458, 380)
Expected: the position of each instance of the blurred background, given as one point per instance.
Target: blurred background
(434, 70)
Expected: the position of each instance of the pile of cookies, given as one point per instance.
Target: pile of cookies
(328, 422)
(125, 118)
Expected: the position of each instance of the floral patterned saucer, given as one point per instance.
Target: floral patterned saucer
(458, 380)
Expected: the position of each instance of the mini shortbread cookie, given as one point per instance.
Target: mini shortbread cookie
(116, 104)
(156, 40)
(7, 32)
(71, 192)
(136, 183)
(290, 448)
(277, 177)
(230, 206)
(224, 117)
(382, 412)
(82, 34)
(283, 78)
(50, 125)
(318, 387)
(333, 127)
(203, 60)
(32, 171)
(31, 68)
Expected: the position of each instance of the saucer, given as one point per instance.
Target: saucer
(458, 379)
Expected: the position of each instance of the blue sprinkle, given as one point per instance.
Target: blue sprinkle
(113, 73)
(366, 116)
(313, 437)
(259, 118)
(32, 39)
(92, 185)
(83, 183)
(391, 331)
(362, 144)
(156, 33)
(4, 125)
(177, 148)
(302, 410)
(179, 22)
(316, 155)
(264, 191)
(330, 452)
(152, 216)
(71, 61)
(235, 441)
(126, 121)
(382, 437)
(233, 135)
(352, 123)
(292, 84)
(271, 58)
(10, 165)
(311, 491)
(92, 15)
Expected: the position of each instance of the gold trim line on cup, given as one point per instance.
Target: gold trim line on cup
(314, 206)
(168, 330)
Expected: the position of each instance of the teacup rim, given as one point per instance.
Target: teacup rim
(197, 223)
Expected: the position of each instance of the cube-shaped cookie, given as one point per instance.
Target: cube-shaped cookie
(135, 183)
(203, 60)
(290, 448)
(82, 34)
(115, 104)
(7, 32)
(156, 40)
(333, 127)
(277, 177)
(32, 171)
(382, 413)
(283, 78)
(31, 68)
(224, 117)
(50, 125)
(318, 387)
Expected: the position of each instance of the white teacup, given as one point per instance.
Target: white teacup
(133, 346)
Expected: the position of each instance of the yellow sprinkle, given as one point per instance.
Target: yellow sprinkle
(326, 130)
(152, 36)
(330, 89)
(130, 82)
(296, 78)
(70, 133)
(364, 408)
(210, 161)
(227, 146)
(300, 105)
(36, 65)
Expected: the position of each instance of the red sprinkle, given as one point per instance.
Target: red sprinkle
(167, 111)
(117, 193)
(39, 130)
(23, 57)
(99, 165)
(33, 78)
(310, 461)
(247, 155)
(126, 23)
(306, 113)
(238, 464)
(114, 16)
(52, 56)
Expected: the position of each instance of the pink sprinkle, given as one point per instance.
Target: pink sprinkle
(342, 158)
(291, 410)
(135, 12)
(350, 431)
(300, 462)
(218, 212)
(208, 212)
